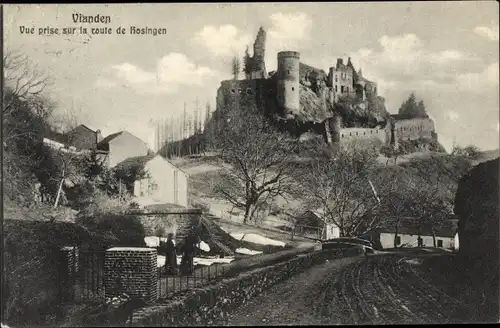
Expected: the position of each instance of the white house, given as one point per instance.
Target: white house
(121, 146)
(410, 234)
(164, 182)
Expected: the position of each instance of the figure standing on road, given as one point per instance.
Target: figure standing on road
(188, 250)
(170, 255)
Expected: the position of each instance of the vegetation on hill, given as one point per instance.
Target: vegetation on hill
(419, 145)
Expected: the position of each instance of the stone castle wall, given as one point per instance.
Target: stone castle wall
(243, 94)
(411, 129)
(349, 134)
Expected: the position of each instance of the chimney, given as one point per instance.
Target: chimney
(98, 136)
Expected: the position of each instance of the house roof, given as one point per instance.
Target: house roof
(412, 227)
(85, 126)
(57, 136)
(134, 162)
(311, 218)
(137, 162)
(104, 143)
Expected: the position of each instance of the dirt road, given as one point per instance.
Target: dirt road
(382, 289)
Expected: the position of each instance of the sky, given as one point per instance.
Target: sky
(445, 52)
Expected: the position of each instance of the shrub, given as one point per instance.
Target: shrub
(106, 216)
(31, 265)
(119, 229)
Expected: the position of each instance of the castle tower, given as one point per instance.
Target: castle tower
(288, 81)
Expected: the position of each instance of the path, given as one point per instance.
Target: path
(383, 289)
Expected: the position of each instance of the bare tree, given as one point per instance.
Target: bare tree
(68, 155)
(338, 184)
(27, 112)
(431, 195)
(23, 79)
(257, 161)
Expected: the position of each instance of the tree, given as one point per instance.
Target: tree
(428, 190)
(69, 157)
(235, 67)
(26, 116)
(258, 161)
(410, 108)
(337, 183)
(247, 64)
(206, 129)
(24, 80)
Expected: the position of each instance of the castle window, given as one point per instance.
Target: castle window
(336, 79)
(347, 89)
(342, 135)
(288, 71)
(293, 89)
(240, 91)
(336, 89)
(350, 133)
(249, 91)
(341, 89)
(233, 91)
(356, 133)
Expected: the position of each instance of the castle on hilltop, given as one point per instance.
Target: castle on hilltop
(317, 101)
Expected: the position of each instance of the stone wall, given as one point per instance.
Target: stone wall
(415, 128)
(348, 134)
(131, 270)
(178, 224)
(211, 304)
(242, 94)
